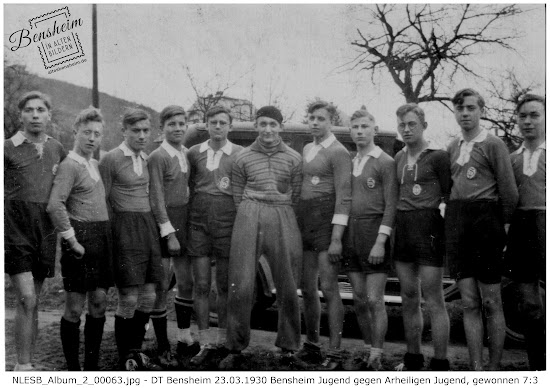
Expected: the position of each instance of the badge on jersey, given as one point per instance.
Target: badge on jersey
(417, 189)
(471, 173)
(54, 168)
(370, 183)
(315, 180)
(224, 183)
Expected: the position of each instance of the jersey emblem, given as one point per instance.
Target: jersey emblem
(54, 168)
(471, 173)
(315, 180)
(370, 183)
(224, 183)
(417, 189)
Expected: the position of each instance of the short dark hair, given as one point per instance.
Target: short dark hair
(134, 115)
(87, 115)
(530, 97)
(33, 95)
(217, 109)
(330, 108)
(360, 114)
(171, 111)
(418, 111)
(458, 99)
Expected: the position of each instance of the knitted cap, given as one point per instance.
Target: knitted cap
(271, 112)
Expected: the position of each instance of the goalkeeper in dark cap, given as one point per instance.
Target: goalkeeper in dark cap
(267, 177)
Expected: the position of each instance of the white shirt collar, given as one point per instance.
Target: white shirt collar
(19, 139)
(328, 141)
(375, 153)
(128, 152)
(87, 163)
(226, 149)
(523, 148)
(478, 139)
(172, 151)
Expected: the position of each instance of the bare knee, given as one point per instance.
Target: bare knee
(471, 306)
(97, 304)
(492, 304)
(202, 288)
(376, 304)
(28, 302)
(72, 313)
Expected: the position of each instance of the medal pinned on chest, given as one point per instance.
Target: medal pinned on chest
(371, 183)
(417, 189)
(224, 183)
(315, 180)
(471, 173)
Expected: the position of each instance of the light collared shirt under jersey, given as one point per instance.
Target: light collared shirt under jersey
(211, 170)
(30, 168)
(374, 188)
(530, 172)
(481, 170)
(77, 194)
(126, 179)
(169, 174)
(327, 171)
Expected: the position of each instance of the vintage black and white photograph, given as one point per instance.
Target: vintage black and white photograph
(276, 188)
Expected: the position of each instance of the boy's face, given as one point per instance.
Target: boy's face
(319, 123)
(411, 128)
(137, 134)
(268, 129)
(218, 127)
(174, 128)
(362, 131)
(532, 120)
(468, 114)
(35, 116)
(88, 137)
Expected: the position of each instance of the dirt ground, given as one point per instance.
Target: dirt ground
(261, 355)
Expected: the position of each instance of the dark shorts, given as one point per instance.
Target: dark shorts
(29, 239)
(475, 240)
(525, 259)
(95, 269)
(137, 259)
(419, 237)
(211, 220)
(315, 222)
(178, 219)
(359, 239)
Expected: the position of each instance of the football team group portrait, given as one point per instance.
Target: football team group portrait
(168, 238)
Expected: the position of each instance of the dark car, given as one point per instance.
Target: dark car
(297, 136)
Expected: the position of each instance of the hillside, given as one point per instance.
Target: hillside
(69, 99)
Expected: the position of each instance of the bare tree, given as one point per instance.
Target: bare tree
(17, 80)
(424, 47)
(505, 95)
(213, 93)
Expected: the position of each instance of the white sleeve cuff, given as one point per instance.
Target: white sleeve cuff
(340, 219)
(67, 234)
(166, 229)
(385, 230)
(442, 207)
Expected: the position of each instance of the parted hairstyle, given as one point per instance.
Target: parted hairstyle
(35, 94)
(134, 115)
(169, 112)
(458, 99)
(530, 97)
(330, 108)
(418, 111)
(87, 115)
(217, 109)
(360, 114)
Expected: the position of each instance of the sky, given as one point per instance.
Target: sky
(289, 53)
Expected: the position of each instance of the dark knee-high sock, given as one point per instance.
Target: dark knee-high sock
(70, 339)
(93, 333)
(123, 335)
(184, 309)
(160, 324)
(535, 336)
(140, 320)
